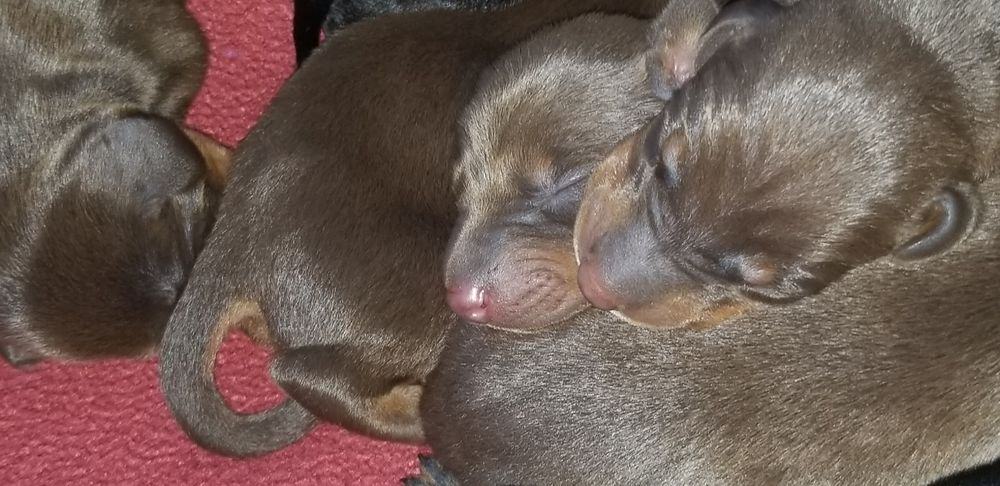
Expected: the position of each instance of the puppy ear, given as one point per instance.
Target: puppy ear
(674, 39)
(689, 32)
(146, 157)
(217, 158)
(149, 166)
(943, 222)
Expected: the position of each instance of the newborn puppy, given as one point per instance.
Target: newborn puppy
(331, 235)
(891, 376)
(103, 197)
(813, 141)
(313, 16)
(544, 115)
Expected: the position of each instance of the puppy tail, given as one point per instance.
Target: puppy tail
(187, 360)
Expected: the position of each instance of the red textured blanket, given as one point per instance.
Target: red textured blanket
(106, 422)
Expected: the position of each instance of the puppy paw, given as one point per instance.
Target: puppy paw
(17, 357)
(431, 474)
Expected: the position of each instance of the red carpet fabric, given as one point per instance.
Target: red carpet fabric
(106, 422)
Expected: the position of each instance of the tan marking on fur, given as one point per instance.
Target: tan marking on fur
(217, 158)
(722, 314)
(676, 146)
(401, 405)
(760, 271)
(685, 308)
(244, 315)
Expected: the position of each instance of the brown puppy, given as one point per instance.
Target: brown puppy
(891, 376)
(104, 202)
(330, 237)
(315, 16)
(839, 133)
(544, 115)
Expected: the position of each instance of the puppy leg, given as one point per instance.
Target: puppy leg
(431, 474)
(343, 385)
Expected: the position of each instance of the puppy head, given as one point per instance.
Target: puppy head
(96, 245)
(790, 158)
(544, 116)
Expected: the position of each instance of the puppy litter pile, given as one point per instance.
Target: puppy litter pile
(106, 422)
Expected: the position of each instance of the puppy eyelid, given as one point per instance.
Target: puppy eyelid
(573, 188)
(529, 188)
(572, 177)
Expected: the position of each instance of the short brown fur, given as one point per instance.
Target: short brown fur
(545, 114)
(335, 223)
(890, 376)
(814, 140)
(103, 201)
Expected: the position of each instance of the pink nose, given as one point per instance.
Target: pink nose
(593, 288)
(471, 303)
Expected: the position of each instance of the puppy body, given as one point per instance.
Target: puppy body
(834, 135)
(330, 235)
(888, 377)
(544, 115)
(103, 195)
(314, 16)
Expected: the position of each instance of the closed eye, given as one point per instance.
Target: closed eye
(566, 185)
(562, 201)
(564, 204)
(572, 177)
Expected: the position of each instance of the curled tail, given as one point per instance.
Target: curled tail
(187, 355)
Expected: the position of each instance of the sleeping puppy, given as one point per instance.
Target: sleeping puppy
(314, 16)
(104, 196)
(890, 376)
(330, 237)
(543, 116)
(814, 140)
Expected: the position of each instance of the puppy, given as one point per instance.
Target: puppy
(104, 196)
(314, 16)
(545, 114)
(814, 140)
(330, 238)
(890, 376)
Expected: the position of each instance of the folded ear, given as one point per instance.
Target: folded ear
(147, 156)
(674, 40)
(942, 223)
(150, 168)
(689, 32)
